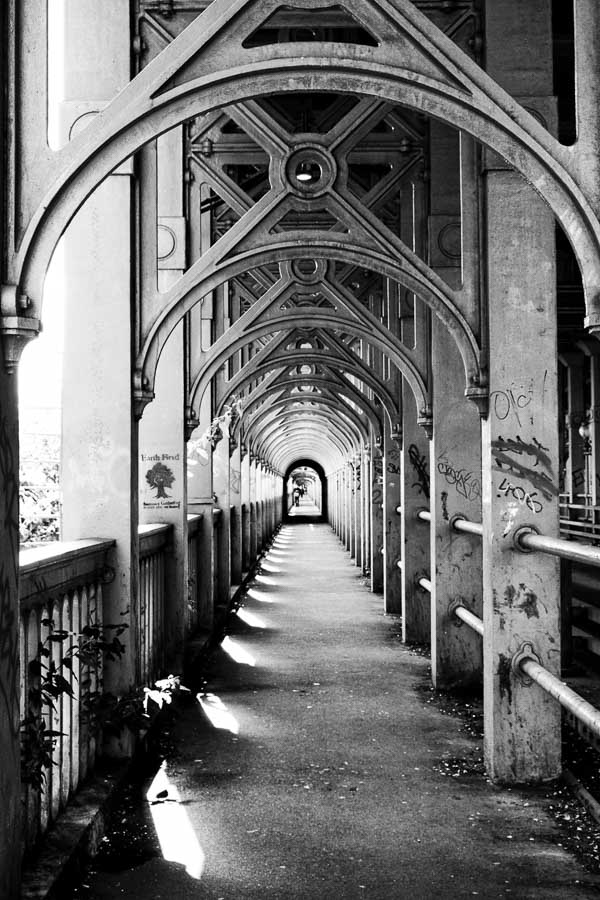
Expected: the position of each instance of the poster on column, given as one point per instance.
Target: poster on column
(160, 480)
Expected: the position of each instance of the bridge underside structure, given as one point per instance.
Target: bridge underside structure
(362, 237)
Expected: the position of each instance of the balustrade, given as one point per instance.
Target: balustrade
(61, 588)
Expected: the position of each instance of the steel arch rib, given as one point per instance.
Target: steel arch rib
(391, 347)
(357, 368)
(457, 91)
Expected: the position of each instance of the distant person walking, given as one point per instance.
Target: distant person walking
(296, 497)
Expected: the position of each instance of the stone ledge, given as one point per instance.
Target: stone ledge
(75, 836)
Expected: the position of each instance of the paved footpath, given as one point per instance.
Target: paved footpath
(314, 767)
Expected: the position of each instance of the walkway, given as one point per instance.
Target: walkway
(325, 771)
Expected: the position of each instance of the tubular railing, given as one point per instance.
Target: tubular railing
(60, 595)
(192, 612)
(154, 545)
(525, 664)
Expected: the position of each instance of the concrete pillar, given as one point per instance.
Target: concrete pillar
(221, 483)
(576, 416)
(587, 67)
(162, 433)
(10, 774)
(100, 453)
(414, 481)
(366, 509)
(520, 482)
(520, 437)
(456, 650)
(245, 488)
(253, 515)
(376, 474)
(235, 492)
(357, 511)
(392, 584)
(162, 446)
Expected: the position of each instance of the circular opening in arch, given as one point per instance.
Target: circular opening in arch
(305, 268)
(308, 172)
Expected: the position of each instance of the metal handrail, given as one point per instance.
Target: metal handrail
(587, 714)
(526, 540)
(461, 523)
(570, 699)
(424, 515)
(425, 583)
(469, 618)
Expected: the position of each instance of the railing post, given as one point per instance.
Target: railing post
(520, 441)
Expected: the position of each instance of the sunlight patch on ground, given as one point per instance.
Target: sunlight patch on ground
(176, 836)
(237, 652)
(269, 568)
(266, 579)
(217, 713)
(250, 618)
(258, 595)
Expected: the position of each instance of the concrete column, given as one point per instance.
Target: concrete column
(235, 492)
(221, 484)
(162, 448)
(10, 773)
(162, 435)
(100, 451)
(576, 415)
(245, 488)
(520, 437)
(357, 511)
(520, 482)
(253, 515)
(366, 509)
(414, 482)
(587, 67)
(200, 483)
(456, 650)
(376, 474)
(392, 584)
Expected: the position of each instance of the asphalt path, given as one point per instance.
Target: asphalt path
(314, 765)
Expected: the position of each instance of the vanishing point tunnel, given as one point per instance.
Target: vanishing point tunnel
(311, 258)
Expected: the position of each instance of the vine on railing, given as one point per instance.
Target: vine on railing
(102, 712)
(49, 680)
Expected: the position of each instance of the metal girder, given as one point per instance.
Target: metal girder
(284, 407)
(208, 66)
(350, 363)
(301, 320)
(332, 385)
